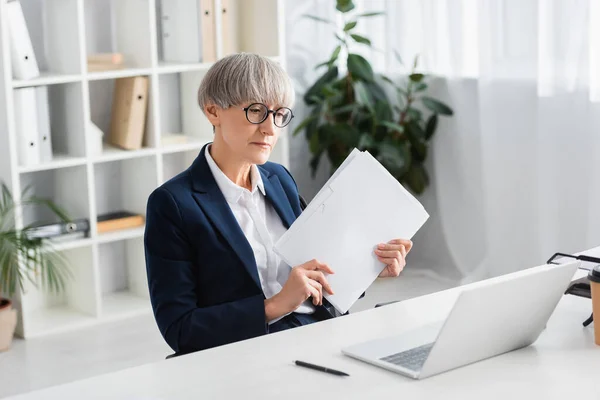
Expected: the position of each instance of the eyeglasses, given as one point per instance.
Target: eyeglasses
(256, 113)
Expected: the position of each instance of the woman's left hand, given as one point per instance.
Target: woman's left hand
(393, 254)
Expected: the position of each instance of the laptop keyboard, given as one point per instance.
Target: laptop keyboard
(412, 359)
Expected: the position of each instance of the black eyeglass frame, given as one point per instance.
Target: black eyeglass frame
(267, 114)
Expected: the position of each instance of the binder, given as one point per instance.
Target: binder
(180, 25)
(360, 206)
(227, 26)
(43, 122)
(23, 60)
(208, 31)
(58, 229)
(27, 126)
(96, 139)
(128, 118)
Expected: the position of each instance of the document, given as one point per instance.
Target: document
(361, 205)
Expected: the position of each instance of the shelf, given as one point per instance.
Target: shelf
(193, 143)
(73, 244)
(56, 320)
(124, 304)
(58, 161)
(124, 234)
(118, 73)
(47, 78)
(165, 67)
(111, 153)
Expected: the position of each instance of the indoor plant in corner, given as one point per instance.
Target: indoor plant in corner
(22, 258)
(351, 109)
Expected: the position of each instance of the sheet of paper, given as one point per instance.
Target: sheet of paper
(361, 206)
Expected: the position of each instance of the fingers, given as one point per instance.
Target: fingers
(319, 277)
(317, 300)
(315, 293)
(316, 265)
(407, 243)
(399, 253)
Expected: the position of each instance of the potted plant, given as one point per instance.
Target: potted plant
(23, 258)
(352, 110)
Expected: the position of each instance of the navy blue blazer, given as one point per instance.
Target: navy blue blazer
(202, 275)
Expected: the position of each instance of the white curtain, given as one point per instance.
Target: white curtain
(516, 170)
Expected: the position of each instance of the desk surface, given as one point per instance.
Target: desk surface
(560, 364)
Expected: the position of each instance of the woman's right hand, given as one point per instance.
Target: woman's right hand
(304, 281)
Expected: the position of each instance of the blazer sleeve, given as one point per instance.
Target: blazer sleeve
(170, 266)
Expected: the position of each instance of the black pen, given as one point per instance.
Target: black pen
(319, 368)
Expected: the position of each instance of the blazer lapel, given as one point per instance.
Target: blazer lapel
(209, 197)
(277, 197)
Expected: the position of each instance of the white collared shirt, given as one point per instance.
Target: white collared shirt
(262, 227)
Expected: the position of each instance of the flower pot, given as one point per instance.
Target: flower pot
(8, 323)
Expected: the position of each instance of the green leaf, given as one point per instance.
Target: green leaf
(319, 19)
(350, 25)
(359, 67)
(335, 54)
(393, 126)
(344, 109)
(415, 131)
(383, 110)
(371, 14)
(436, 106)
(398, 57)
(416, 62)
(341, 39)
(324, 63)
(363, 97)
(304, 124)
(417, 178)
(314, 164)
(342, 133)
(416, 77)
(317, 87)
(388, 80)
(419, 87)
(414, 114)
(344, 5)
(431, 126)
(314, 144)
(394, 156)
(366, 142)
(360, 39)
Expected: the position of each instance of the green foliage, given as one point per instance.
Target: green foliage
(22, 258)
(353, 110)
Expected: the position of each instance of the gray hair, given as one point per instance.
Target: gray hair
(246, 77)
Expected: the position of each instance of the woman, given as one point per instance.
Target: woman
(213, 276)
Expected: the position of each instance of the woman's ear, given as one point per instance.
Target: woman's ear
(213, 114)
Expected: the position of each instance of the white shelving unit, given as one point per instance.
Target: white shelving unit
(109, 274)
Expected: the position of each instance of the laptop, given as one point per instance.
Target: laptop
(489, 318)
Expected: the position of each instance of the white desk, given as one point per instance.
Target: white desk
(562, 363)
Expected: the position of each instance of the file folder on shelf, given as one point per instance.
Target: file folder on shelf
(128, 118)
(23, 60)
(27, 126)
(187, 31)
(360, 206)
(43, 122)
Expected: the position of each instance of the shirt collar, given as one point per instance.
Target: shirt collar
(230, 190)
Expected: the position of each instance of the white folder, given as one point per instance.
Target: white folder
(24, 63)
(43, 122)
(360, 206)
(181, 26)
(26, 126)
